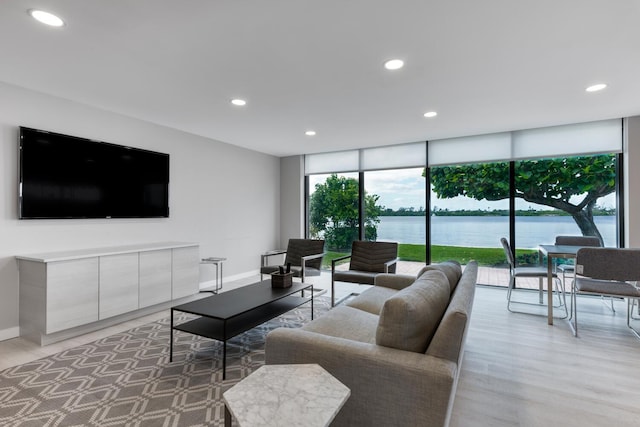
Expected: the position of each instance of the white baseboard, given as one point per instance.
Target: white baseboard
(7, 334)
(242, 275)
(227, 279)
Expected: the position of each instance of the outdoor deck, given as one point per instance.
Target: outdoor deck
(491, 276)
(486, 275)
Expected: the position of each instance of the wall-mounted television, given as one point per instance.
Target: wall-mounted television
(64, 176)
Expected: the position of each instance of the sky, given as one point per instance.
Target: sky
(405, 188)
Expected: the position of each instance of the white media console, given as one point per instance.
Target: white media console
(65, 294)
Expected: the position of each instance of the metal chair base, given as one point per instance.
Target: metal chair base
(558, 290)
(631, 302)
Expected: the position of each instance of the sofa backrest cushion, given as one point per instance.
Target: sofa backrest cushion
(451, 269)
(448, 341)
(409, 319)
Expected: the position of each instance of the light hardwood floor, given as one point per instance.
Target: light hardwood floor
(517, 370)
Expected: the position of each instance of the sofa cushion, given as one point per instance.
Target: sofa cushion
(346, 322)
(448, 340)
(372, 299)
(409, 318)
(451, 269)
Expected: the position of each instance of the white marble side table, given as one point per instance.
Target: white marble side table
(285, 395)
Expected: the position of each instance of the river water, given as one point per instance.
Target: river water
(486, 231)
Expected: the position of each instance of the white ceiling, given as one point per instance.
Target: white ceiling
(484, 66)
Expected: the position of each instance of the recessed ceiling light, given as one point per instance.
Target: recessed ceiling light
(394, 64)
(310, 133)
(46, 18)
(239, 102)
(596, 88)
(430, 114)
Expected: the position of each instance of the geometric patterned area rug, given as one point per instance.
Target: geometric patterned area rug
(126, 379)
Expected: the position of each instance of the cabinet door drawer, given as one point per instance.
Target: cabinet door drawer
(72, 293)
(155, 277)
(186, 272)
(118, 284)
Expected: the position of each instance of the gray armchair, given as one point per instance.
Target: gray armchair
(606, 272)
(305, 256)
(367, 260)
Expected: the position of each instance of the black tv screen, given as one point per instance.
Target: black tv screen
(68, 177)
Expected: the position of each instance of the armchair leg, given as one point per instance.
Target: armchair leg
(573, 320)
(540, 291)
(512, 283)
(333, 293)
(602, 297)
(631, 302)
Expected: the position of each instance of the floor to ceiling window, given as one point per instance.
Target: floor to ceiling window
(333, 210)
(527, 186)
(469, 215)
(395, 211)
(548, 183)
(573, 195)
(388, 182)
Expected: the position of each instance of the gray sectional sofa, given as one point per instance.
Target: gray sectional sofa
(398, 346)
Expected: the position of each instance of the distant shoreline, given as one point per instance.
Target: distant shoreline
(464, 212)
(486, 231)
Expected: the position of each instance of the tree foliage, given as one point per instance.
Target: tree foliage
(572, 185)
(333, 212)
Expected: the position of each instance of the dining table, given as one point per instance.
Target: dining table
(555, 252)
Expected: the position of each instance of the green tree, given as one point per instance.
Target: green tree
(333, 212)
(572, 185)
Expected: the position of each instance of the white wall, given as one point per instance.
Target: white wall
(224, 197)
(632, 182)
(292, 217)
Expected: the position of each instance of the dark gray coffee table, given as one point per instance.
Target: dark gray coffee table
(230, 313)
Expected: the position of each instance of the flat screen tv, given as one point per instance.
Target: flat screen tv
(63, 176)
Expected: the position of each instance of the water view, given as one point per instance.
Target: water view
(486, 231)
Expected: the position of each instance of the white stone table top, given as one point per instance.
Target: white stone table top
(286, 395)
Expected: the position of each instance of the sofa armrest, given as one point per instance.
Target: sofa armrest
(394, 281)
(388, 386)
